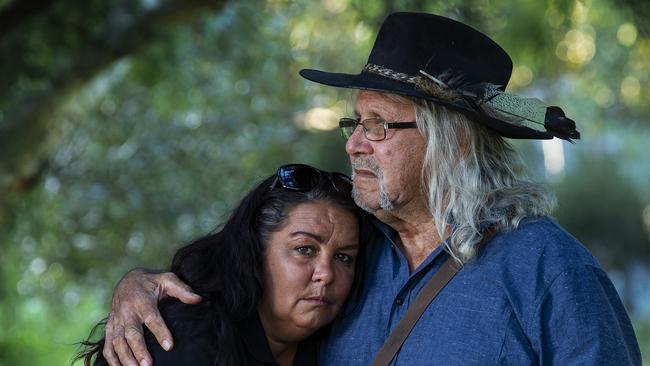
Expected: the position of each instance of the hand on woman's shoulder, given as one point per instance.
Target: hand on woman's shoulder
(192, 327)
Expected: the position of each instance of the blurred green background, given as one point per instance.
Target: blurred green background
(128, 127)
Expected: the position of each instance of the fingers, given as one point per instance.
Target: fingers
(157, 326)
(108, 352)
(173, 287)
(135, 340)
(135, 302)
(123, 351)
(125, 345)
(124, 341)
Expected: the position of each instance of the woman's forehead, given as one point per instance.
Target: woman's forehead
(318, 214)
(319, 220)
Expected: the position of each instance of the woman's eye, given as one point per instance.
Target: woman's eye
(344, 258)
(305, 250)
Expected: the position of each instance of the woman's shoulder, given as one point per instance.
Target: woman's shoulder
(193, 328)
(190, 319)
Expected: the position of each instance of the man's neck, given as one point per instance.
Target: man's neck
(416, 230)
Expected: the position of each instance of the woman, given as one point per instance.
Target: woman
(278, 271)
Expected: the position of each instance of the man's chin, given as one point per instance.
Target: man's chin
(363, 203)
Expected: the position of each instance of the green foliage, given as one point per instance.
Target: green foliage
(642, 331)
(602, 209)
(134, 157)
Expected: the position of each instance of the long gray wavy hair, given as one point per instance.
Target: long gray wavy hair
(473, 179)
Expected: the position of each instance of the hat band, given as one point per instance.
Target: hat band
(486, 99)
(426, 84)
(390, 73)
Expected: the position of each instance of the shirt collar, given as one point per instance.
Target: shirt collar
(390, 238)
(386, 230)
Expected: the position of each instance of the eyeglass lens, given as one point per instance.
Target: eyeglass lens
(373, 128)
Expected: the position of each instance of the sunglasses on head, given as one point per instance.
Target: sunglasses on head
(302, 177)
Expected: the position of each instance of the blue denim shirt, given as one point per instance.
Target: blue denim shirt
(533, 296)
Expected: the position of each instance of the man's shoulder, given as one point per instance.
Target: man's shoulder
(550, 281)
(536, 252)
(541, 239)
(536, 260)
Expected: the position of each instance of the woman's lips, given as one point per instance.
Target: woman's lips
(318, 300)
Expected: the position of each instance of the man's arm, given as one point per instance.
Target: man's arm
(135, 302)
(581, 321)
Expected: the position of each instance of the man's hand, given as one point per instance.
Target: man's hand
(135, 302)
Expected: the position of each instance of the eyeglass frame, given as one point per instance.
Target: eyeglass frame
(282, 177)
(386, 125)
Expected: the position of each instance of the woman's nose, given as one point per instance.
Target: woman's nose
(323, 271)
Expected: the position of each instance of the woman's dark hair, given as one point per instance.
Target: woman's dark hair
(226, 267)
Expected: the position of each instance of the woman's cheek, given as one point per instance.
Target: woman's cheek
(345, 277)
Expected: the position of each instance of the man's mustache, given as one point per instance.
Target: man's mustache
(366, 163)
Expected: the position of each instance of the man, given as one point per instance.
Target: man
(430, 163)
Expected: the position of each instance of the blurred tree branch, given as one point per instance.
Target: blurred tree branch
(26, 115)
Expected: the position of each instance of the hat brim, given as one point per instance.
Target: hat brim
(366, 81)
(374, 82)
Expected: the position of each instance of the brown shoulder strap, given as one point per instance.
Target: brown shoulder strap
(416, 309)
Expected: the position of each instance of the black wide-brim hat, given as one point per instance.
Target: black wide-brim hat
(435, 58)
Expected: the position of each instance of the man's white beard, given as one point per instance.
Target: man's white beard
(385, 202)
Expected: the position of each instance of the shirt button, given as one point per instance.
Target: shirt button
(399, 301)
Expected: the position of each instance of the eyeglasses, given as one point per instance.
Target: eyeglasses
(302, 177)
(374, 129)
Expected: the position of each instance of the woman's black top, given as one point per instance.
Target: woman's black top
(194, 330)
